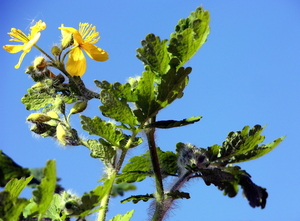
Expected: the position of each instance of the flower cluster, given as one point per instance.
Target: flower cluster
(76, 41)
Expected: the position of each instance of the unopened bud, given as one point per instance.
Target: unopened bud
(67, 136)
(78, 107)
(61, 134)
(30, 70)
(39, 63)
(40, 128)
(55, 50)
(38, 118)
(53, 115)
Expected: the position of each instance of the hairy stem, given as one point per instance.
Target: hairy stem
(176, 186)
(105, 200)
(111, 177)
(158, 214)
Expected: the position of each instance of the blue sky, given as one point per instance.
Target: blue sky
(246, 73)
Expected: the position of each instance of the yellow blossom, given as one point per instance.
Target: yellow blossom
(83, 39)
(27, 40)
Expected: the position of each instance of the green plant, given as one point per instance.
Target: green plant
(126, 110)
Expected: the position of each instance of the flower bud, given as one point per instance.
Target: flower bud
(53, 115)
(67, 136)
(39, 63)
(61, 134)
(55, 51)
(78, 107)
(40, 128)
(30, 70)
(38, 118)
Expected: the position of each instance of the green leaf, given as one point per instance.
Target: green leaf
(9, 169)
(136, 170)
(145, 92)
(54, 210)
(92, 199)
(16, 186)
(101, 149)
(37, 101)
(172, 85)
(10, 205)
(258, 151)
(124, 91)
(135, 199)
(166, 124)
(212, 152)
(140, 167)
(101, 128)
(125, 217)
(243, 145)
(178, 195)
(119, 189)
(10, 208)
(117, 109)
(191, 33)
(45, 191)
(155, 54)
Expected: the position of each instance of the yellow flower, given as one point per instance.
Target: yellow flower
(83, 39)
(28, 40)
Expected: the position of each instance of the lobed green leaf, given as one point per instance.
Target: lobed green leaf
(106, 130)
(117, 109)
(102, 149)
(191, 33)
(172, 85)
(37, 101)
(139, 168)
(154, 53)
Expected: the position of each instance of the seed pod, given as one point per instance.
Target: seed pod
(38, 118)
(78, 107)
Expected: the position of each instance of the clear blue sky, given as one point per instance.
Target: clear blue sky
(247, 73)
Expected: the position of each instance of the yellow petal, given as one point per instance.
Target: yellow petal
(77, 37)
(94, 52)
(39, 26)
(32, 42)
(20, 60)
(13, 48)
(76, 64)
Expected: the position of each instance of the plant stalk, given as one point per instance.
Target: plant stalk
(159, 206)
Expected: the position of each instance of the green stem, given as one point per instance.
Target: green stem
(111, 177)
(105, 200)
(159, 206)
(41, 50)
